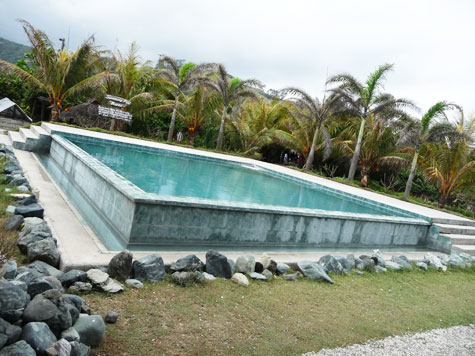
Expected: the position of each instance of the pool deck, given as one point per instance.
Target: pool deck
(81, 248)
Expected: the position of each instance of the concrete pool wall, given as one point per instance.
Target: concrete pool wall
(125, 216)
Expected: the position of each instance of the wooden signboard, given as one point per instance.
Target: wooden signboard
(114, 111)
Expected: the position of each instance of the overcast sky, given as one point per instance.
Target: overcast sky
(281, 43)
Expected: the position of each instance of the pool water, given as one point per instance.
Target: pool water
(168, 174)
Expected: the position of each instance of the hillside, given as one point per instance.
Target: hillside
(12, 51)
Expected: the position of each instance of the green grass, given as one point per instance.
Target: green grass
(280, 317)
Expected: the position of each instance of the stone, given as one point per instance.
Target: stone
(45, 269)
(13, 333)
(91, 329)
(208, 277)
(79, 349)
(112, 286)
(351, 260)
(314, 271)
(217, 265)
(111, 317)
(44, 250)
(265, 260)
(38, 286)
(10, 269)
(81, 287)
(432, 260)
(344, 262)
(465, 257)
(3, 340)
(245, 264)
(393, 265)
(258, 267)
(134, 283)
(444, 259)
(77, 301)
(268, 274)
(240, 279)
(190, 263)
(368, 262)
(39, 309)
(149, 268)
(456, 261)
(23, 188)
(39, 336)
(187, 279)
(34, 224)
(10, 167)
(359, 264)
(120, 266)
(97, 277)
(13, 300)
(257, 276)
(30, 211)
(272, 266)
(72, 276)
(232, 265)
(19, 284)
(290, 276)
(378, 258)
(402, 262)
(20, 348)
(70, 334)
(30, 199)
(10, 210)
(14, 222)
(379, 269)
(26, 275)
(17, 180)
(24, 241)
(330, 264)
(60, 348)
(282, 268)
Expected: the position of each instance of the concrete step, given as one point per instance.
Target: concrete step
(461, 239)
(39, 131)
(456, 229)
(17, 140)
(27, 134)
(470, 249)
(461, 221)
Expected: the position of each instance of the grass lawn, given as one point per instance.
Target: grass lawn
(280, 317)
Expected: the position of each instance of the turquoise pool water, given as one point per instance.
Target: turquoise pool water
(167, 174)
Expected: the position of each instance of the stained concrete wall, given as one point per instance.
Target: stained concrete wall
(7, 123)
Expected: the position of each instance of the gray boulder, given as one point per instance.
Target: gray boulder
(39, 309)
(10, 269)
(268, 274)
(44, 250)
(378, 258)
(30, 211)
(402, 262)
(368, 262)
(30, 199)
(393, 266)
(72, 276)
(30, 238)
(81, 287)
(91, 329)
(14, 222)
(187, 279)
(111, 317)
(313, 271)
(443, 258)
(20, 348)
(134, 283)
(149, 268)
(456, 261)
(120, 266)
(359, 264)
(292, 277)
(26, 275)
(257, 276)
(76, 300)
(70, 334)
(245, 264)
(17, 180)
(188, 263)
(330, 264)
(465, 257)
(351, 260)
(432, 260)
(240, 279)
(60, 348)
(34, 224)
(379, 269)
(208, 277)
(282, 268)
(102, 281)
(422, 265)
(79, 349)
(217, 265)
(232, 265)
(39, 336)
(344, 262)
(9, 334)
(13, 300)
(40, 285)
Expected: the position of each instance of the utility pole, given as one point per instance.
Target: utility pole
(63, 40)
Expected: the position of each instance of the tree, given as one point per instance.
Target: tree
(451, 163)
(314, 111)
(179, 79)
(363, 100)
(416, 133)
(231, 91)
(60, 74)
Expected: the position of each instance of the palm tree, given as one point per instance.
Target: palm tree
(314, 111)
(260, 123)
(363, 100)
(416, 133)
(180, 79)
(60, 74)
(231, 91)
(451, 164)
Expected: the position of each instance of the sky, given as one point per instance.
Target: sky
(282, 43)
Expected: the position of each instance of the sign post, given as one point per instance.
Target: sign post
(114, 110)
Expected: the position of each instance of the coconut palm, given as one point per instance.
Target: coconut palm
(259, 123)
(180, 78)
(451, 164)
(231, 92)
(316, 112)
(363, 100)
(416, 133)
(60, 74)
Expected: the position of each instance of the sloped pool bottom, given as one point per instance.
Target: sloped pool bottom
(124, 216)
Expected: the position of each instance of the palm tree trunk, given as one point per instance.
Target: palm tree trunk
(219, 144)
(54, 113)
(172, 123)
(407, 191)
(309, 163)
(443, 199)
(356, 153)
